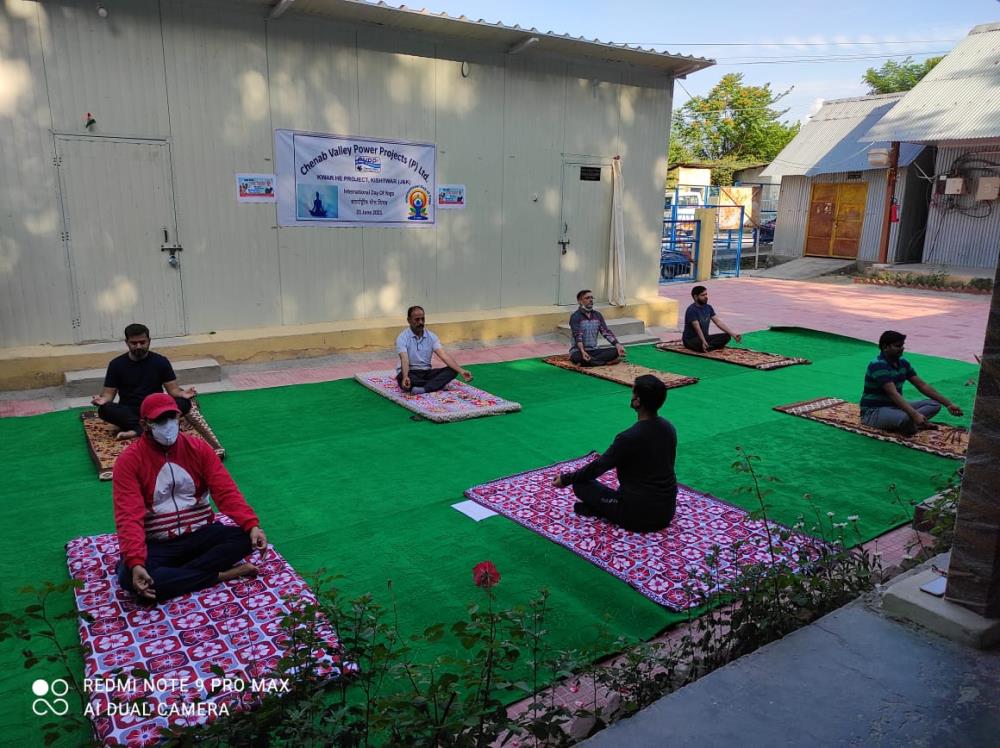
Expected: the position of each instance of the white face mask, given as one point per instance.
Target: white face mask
(166, 433)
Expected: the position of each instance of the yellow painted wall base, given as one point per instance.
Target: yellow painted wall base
(30, 367)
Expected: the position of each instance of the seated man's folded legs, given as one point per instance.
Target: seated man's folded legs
(718, 340)
(428, 380)
(124, 417)
(895, 419)
(193, 561)
(598, 357)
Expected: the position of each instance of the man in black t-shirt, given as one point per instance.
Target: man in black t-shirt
(133, 376)
(644, 458)
(697, 319)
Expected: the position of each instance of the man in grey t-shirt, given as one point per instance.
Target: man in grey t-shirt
(416, 347)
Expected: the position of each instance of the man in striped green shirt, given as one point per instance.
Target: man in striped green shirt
(882, 403)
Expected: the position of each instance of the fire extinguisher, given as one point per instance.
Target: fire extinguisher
(894, 212)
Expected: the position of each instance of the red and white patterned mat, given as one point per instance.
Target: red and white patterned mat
(458, 401)
(234, 625)
(660, 565)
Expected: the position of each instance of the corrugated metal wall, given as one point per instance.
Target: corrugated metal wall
(793, 212)
(214, 80)
(963, 240)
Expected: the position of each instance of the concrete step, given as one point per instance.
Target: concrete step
(620, 327)
(91, 381)
(637, 339)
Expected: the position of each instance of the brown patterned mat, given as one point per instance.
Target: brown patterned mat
(622, 372)
(946, 441)
(104, 448)
(739, 356)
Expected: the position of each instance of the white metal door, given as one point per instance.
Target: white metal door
(118, 208)
(585, 229)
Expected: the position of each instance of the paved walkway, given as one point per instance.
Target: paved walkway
(938, 323)
(853, 678)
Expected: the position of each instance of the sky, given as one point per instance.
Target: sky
(742, 35)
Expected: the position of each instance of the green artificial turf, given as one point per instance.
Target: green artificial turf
(344, 479)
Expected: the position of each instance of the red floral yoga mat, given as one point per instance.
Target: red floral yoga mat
(946, 441)
(660, 565)
(739, 356)
(235, 625)
(458, 401)
(104, 448)
(623, 372)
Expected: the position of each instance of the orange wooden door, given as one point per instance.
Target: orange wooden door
(836, 217)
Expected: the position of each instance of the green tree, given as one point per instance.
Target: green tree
(678, 152)
(897, 76)
(734, 123)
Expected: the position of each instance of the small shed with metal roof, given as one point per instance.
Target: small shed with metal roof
(954, 112)
(832, 199)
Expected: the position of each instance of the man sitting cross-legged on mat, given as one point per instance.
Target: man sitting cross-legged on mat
(169, 541)
(134, 375)
(644, 458)
(416, 347)
(882, 403)
(585, 324)
(697, 319)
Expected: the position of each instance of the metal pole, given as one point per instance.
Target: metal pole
(890, 193)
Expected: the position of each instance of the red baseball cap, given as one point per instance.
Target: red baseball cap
(156, 405)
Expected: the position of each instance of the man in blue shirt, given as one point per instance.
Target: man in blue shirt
(882, 403)
(585, 324)
(696, 322)
(416, 347)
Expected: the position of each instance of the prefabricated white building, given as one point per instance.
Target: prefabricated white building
(182, 95)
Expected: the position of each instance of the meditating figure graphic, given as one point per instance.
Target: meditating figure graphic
(643, 456)
(317, 210)
(169, 540)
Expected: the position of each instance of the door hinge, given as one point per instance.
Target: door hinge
(57, 160)
(76, 322)
(64, 236)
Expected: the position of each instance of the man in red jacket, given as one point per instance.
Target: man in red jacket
(169, 540)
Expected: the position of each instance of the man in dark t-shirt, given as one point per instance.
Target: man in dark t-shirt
(697, 318)
(882, 403)
(133, 376)
(643, 456)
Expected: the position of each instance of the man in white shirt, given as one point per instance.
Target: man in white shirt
(416, 348)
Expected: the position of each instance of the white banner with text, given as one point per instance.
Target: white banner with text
(335, 180)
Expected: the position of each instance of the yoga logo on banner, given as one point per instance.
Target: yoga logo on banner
(332, 180)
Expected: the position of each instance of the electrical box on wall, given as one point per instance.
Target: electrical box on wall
(954, 186)
(988, 188)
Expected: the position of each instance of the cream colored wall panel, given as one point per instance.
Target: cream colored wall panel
(592, 112)
(216, 67)
(534, 111)
(34, 279)
(644, 114)
(470, 152)
(396, 101)
(313, 66)
(400, 269)
(111, 67)
(395, 88)
(322, 272)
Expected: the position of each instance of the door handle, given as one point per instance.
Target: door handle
(564, 242)
(173, 260)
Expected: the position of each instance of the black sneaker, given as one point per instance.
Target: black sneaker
(584, 510)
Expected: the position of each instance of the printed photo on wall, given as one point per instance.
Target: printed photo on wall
(316, 203)
(255, 188)
(451, 196)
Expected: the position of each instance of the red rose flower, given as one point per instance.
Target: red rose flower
(485, 574)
